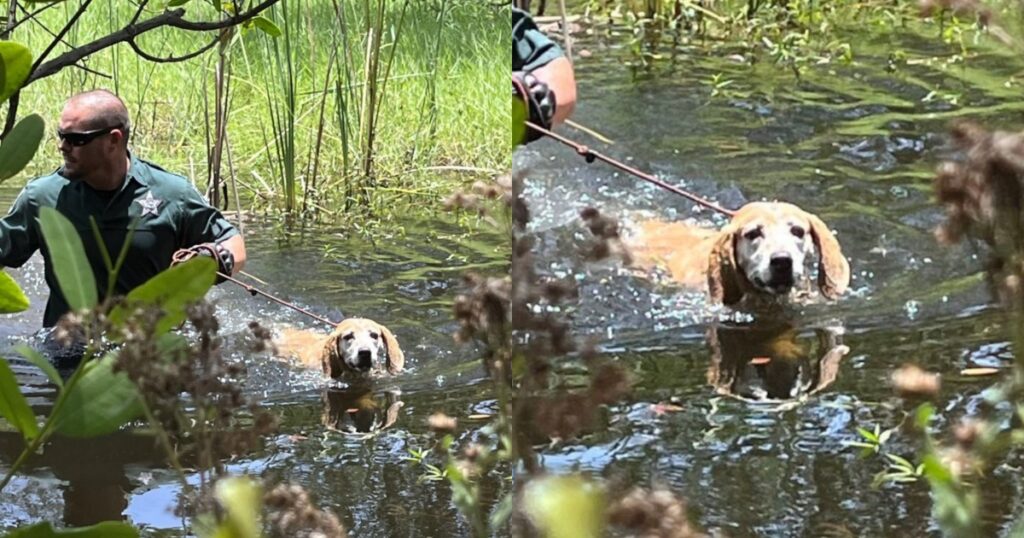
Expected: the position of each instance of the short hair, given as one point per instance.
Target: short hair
(110, 110)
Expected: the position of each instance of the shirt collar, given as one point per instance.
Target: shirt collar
(138, 170)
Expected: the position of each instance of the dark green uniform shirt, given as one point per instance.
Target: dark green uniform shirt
(531, 49)
(170, 212)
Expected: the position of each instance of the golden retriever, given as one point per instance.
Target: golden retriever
(357, 347)
(761, 252)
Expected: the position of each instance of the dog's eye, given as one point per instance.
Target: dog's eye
(348, 336)
(373, 335)
(797, 231)
(753, 234)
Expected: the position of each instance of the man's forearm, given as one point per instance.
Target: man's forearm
(559, 77)
(236, 245)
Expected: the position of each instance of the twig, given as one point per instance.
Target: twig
(173, 18)
(170, 59)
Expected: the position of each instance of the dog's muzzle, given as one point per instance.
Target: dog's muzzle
(365, 359)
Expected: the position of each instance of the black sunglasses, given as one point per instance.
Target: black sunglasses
(81, 139)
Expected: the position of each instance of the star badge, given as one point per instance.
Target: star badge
(149, 204)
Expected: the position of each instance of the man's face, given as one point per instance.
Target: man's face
(85, 155)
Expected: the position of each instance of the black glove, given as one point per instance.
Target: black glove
(539, 99)
(218, 252)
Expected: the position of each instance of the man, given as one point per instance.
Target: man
(103, 180)
(541, 71)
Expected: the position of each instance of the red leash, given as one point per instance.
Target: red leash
(590, 155)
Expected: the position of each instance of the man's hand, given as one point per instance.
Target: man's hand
(225, 260)
(539, 99)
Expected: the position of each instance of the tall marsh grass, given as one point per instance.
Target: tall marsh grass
(368, 104)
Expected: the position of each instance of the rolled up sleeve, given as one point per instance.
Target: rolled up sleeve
(201, 222)
(18, 235)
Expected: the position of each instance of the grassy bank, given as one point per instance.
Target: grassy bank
(359, 104)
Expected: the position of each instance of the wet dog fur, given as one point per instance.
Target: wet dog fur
(760, 253)
(356, 348)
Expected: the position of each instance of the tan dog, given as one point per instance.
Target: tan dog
(761, 252)
(356, 346)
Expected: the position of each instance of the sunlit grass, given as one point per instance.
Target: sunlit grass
(440, 108)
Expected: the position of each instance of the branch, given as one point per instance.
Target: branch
(171, 18)
(12, 113)
(170, 59)
(28, 16)
(60, 35)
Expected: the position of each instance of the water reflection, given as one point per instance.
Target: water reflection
(94, 482)
(360, 409)
(772, 360)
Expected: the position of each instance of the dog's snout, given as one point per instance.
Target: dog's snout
(365, 357)
(781, 264)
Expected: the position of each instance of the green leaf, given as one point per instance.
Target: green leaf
(19, 147)
(923, 416)
(518, 121)
(177, 3)
(13, 406)
(867, 434)
(937, 473)
(243, 499)
(106, 529)
(171, 290)
(15, 64)
(267, 26)
(901, 462)
(99, 403)
(12, 299)
(565, 506)
(74, 274)
(40, 361)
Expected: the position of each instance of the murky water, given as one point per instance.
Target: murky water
(759, 449)
(406, 281)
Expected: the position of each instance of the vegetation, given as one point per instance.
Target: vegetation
(356, 107)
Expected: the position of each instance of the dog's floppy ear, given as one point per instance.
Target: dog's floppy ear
(331, 356)
(833, 269)
(725, 283)
(396, 359)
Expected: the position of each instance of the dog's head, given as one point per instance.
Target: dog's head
(764, 249)
(362, 346)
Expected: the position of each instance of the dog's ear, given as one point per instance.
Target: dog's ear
(396, 359)
(331, 358)
(725, 283)
(833, 269)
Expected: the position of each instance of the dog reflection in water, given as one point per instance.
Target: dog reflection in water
(773, 361)
(358, 409)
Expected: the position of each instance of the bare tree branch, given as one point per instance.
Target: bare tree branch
(60, 35)
(29, 17)
(138, 12)
(173, 18)
(12, 113)
(171, 59)
(12, 19)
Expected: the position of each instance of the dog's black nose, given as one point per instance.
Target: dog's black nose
(781, 264)
(365, 359)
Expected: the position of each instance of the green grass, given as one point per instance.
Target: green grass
(438, 104)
